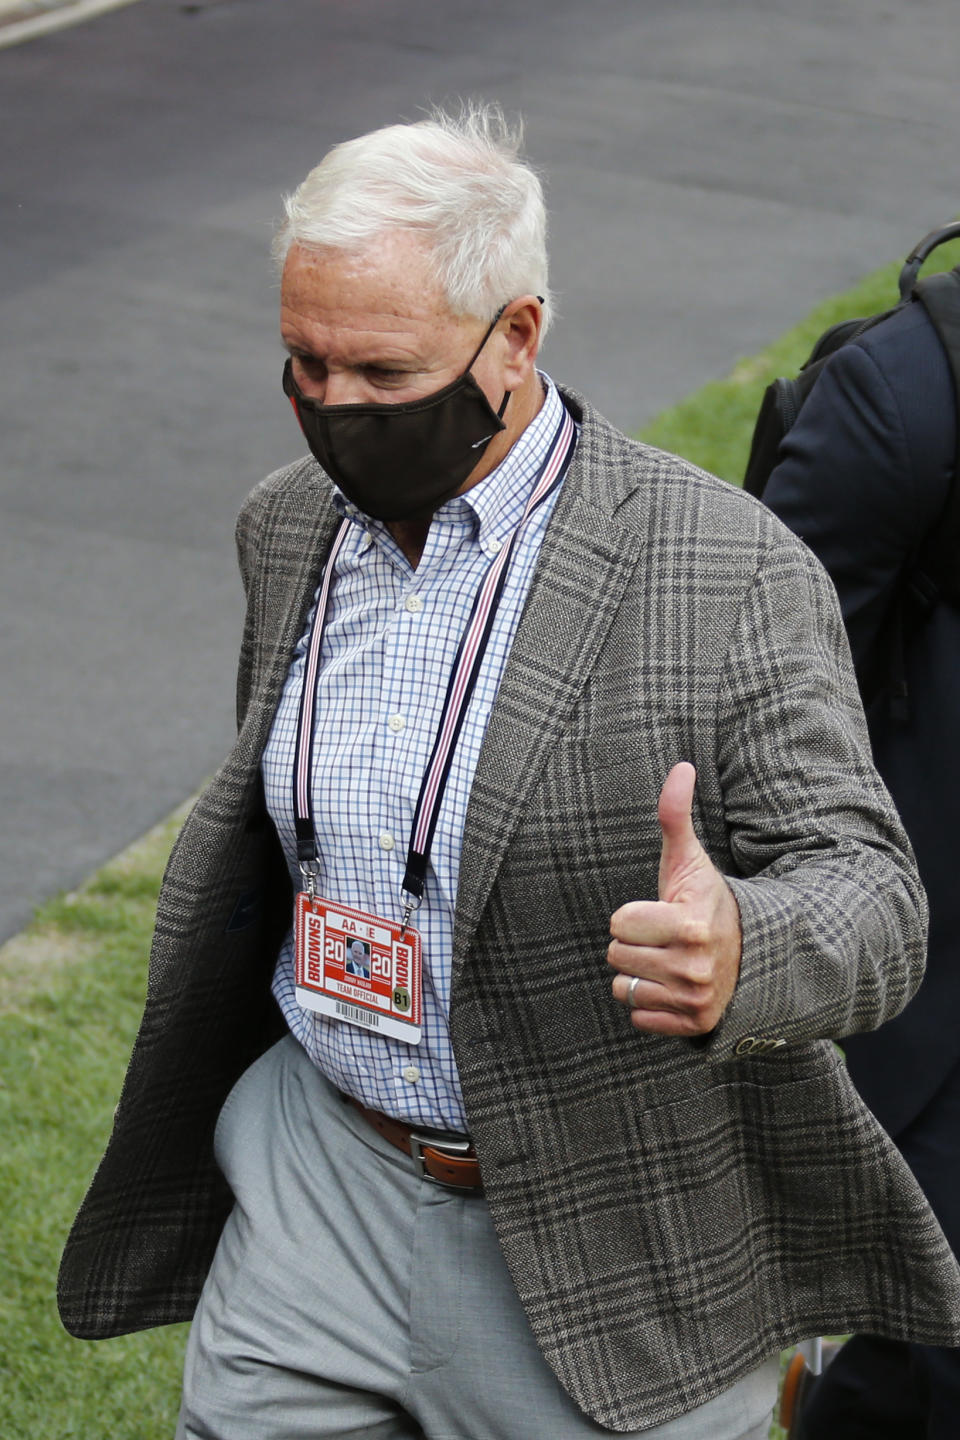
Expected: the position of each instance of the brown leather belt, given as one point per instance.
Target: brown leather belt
(447, 1161)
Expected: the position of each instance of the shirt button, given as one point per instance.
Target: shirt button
(494, 546)
(413, 603)
(411, 1073)
(396, 723)
(387, 841)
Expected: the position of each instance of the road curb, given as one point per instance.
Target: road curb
(22, 20)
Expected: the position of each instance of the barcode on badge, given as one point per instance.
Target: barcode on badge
(358, 1016)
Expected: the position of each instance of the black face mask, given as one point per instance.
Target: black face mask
(397, 461)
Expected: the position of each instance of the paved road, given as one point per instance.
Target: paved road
(713, 170)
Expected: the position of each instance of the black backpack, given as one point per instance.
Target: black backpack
(936, 570)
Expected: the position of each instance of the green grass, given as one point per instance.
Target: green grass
(71, 993)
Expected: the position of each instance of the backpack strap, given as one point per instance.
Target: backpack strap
(920, 252)
(938, 565)
(936, 570)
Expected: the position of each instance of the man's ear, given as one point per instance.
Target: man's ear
(520, 326)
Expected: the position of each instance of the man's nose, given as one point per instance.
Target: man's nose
(342, 387)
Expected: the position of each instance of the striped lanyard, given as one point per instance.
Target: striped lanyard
(463, 678)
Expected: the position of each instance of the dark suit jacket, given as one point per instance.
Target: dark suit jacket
(671, 1213)
(864, 476)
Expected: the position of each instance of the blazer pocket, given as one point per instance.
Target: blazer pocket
(762, 1182)
(598, 750)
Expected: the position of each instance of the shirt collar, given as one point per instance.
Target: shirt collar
(497, 502)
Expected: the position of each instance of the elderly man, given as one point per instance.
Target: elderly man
(579, 1153)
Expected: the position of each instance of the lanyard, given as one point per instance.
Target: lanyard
(463, 677)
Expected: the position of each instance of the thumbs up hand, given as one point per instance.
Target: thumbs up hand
(683, 949)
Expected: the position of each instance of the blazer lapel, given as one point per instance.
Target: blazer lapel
(303, 534)
(584, 565)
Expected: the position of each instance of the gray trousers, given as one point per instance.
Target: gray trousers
(350, 1298)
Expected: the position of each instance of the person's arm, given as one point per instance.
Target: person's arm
(832, 911)
(819, 928)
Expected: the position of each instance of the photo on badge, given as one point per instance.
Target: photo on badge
(358, 959)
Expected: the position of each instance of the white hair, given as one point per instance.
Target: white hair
(457, 179)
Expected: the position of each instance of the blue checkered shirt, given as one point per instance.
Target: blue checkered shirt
(388, 649)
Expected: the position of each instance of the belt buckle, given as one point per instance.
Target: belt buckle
(419, 1142)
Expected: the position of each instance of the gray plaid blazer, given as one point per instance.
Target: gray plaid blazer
(671, 1212)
